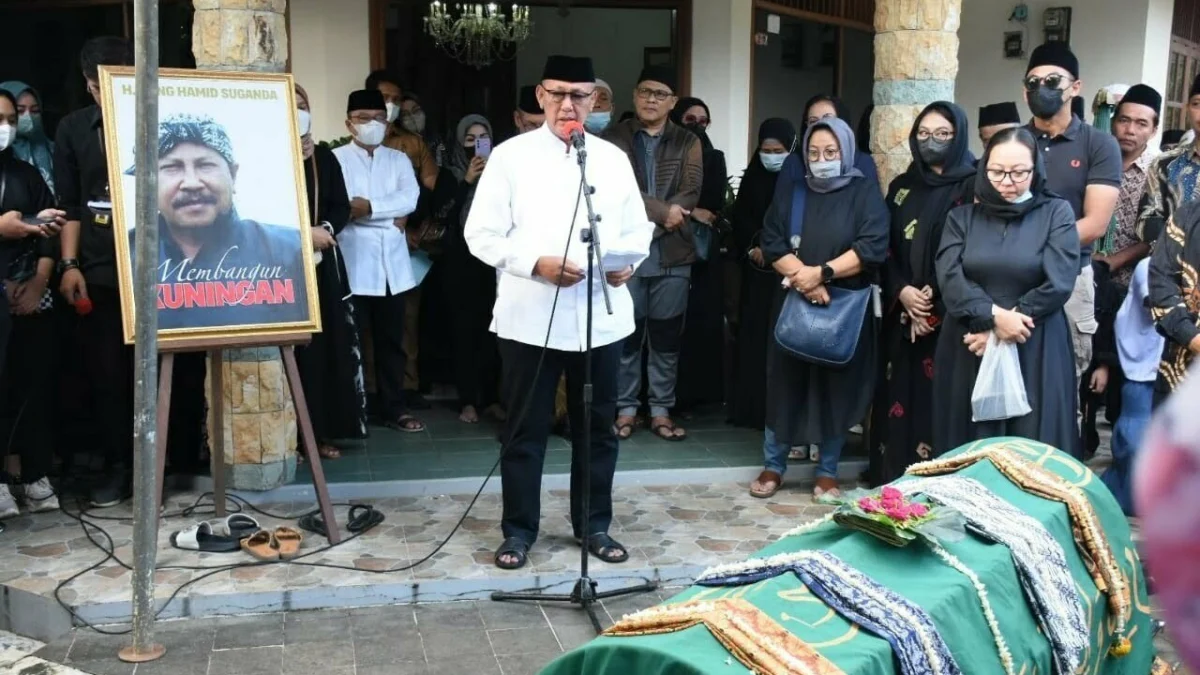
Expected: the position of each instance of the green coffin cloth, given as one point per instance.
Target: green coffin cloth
(917, 574)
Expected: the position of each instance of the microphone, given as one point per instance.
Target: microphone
(575, 131)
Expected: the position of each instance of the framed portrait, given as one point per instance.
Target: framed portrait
(234, 247)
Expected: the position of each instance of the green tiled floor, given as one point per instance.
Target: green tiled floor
(450, 449)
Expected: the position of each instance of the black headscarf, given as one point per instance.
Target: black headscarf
(681, 109)
(990, 199)
(758, 185)
(943, 188)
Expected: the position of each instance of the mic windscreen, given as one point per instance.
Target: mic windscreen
(573, 127)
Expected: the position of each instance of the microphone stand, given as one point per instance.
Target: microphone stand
(584, 593)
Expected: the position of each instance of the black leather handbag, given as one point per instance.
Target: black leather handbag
(826, 335)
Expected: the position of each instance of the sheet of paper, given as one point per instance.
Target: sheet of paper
(616, 259)
(420, 265)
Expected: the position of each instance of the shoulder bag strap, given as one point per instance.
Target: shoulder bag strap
(796, 227)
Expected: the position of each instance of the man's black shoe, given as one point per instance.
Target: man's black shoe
(112, 489)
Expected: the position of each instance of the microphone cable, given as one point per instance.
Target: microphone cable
(85, 517)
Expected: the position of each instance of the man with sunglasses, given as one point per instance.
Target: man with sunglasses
(668, 162)
(1083, 166)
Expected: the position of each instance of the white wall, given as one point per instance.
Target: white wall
(1117, 41)
(330, 57)
(613, 38)
(721, 43)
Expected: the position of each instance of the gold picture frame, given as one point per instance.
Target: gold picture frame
(207, 299)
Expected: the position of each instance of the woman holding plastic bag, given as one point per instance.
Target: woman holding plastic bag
(1006, 267)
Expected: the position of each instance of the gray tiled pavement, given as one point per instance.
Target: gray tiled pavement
(481, 638)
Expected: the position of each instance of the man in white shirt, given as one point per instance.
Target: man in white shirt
(383, 190)
(525, 221)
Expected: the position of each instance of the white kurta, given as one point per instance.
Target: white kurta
(375, 250)
(522, 211)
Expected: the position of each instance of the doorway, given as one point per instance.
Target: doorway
(619, 35)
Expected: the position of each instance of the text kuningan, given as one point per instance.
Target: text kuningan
(185, 286)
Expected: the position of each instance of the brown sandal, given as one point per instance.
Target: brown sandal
(766, 478)
(287, 542)
(665, 428)
(624, 430)
(260, 546)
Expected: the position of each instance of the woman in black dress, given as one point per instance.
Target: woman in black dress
(845, 236)
(759, 283)
(331, 365)
(702, 357)
(471, 289)
(941, 177)
(1007, 265)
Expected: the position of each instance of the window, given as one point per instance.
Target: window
(1183, 67)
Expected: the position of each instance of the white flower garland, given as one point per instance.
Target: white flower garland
(981, 591)
(808, 527)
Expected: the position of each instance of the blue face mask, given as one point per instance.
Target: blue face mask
(597, 121)
(827, 169)
(773, 161)
(1023, 198)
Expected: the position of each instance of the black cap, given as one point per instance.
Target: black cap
(1054, 54)
(568, 69)
(1144, 95)
(365, 99)
(999, 113)
(663, 74)
(527, 100)
(1195, 90)
(1172, 137)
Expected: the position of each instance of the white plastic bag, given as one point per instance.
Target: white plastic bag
(999, 392)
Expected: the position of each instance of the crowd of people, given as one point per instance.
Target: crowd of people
(1077, 243)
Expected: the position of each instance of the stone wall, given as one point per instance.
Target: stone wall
(259, 417)
(916, 61)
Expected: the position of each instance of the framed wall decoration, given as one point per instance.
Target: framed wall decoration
(235, 258)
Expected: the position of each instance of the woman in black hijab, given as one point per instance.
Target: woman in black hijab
(759, 283)
(940, 177)
(701, 360)
(1006, 267)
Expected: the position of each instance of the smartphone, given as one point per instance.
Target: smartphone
(483, 147)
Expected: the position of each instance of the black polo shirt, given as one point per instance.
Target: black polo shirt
(80, 176)
(1080, 156)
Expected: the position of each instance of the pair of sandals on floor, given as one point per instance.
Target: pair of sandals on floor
(600, 545)
(663, 427)
(769, 482)
(239, 532)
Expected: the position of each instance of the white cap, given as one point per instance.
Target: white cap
(601, 84)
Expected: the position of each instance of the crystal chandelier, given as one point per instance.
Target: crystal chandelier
(476, 34)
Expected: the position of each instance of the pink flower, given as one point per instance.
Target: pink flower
(890, 493)
(897, 513)
(918, 510)
(869, 505)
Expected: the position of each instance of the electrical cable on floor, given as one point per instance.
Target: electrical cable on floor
(86, 520)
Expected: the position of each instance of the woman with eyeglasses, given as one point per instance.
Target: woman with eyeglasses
(940, 177)
(1006, 267)
(834, 236)
(827, 107)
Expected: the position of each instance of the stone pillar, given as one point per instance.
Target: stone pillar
(916, 61)
(259, 418)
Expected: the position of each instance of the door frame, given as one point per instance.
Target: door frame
(681, 32)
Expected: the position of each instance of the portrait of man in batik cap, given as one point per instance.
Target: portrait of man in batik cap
(216, 268)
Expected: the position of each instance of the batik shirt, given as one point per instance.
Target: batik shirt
(1133, 187)
(1175, 293)
(1173, 182)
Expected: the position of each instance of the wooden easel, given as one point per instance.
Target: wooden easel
(214, 347)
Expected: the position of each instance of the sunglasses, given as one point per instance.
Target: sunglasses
(1055, 81)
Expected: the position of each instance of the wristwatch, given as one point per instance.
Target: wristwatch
(826, 273)
(67, 264)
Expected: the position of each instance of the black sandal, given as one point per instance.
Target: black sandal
(406, 424)
(515, 547)
(604, 547)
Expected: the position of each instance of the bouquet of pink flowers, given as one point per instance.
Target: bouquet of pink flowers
(890, 516)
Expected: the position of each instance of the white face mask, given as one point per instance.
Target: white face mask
(6, 135)
(393, 111)
(827, 169)
(1023, 198)
(370, 133)
(303, 122)
(773, 161)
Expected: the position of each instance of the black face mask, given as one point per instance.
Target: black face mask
(1045, 102)
(933, 152)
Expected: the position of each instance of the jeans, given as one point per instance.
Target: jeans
(775, 455)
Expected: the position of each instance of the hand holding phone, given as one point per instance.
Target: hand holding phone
(483, 146)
